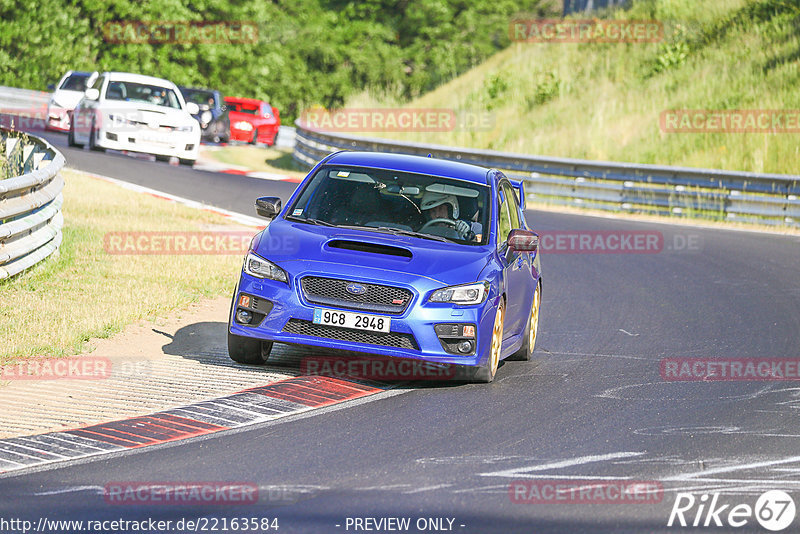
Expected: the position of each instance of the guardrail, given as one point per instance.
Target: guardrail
(627, 187)
(30, 201)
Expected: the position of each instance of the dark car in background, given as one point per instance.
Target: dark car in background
(253, 121)
(213, 115)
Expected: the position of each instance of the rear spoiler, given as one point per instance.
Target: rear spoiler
(519, 185)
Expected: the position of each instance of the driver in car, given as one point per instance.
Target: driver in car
(443, 209)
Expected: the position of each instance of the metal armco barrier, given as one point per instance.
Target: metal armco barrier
(621, 187)
(30, 202)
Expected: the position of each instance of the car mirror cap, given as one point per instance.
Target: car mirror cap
(268, 207)
(92, 93)
(523, 241)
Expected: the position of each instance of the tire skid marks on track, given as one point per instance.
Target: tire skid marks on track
(251, 406)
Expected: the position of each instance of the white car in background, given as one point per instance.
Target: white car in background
(135, 113)
(66, 95)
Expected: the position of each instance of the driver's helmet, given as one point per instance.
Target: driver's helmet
(431, 200)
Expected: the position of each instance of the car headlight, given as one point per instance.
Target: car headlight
(206, 117)
(243, 125)
(120, 120)
(187, 128)
(464, 294)
(261, 268)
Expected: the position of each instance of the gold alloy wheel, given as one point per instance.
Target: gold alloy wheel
(497, 340)
(534, 319)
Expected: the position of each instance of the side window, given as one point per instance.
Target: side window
(503, 216)
(513, 207)
(98, 83)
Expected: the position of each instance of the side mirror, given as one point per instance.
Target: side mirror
(51, 87)
(192, 108)
(92, 93)
(268, 207)
(523, 241)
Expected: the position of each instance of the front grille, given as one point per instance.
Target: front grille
(391, 339)
(376, 298)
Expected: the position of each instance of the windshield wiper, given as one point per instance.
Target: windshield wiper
(400, 231)
(411, 233)
(309, 221)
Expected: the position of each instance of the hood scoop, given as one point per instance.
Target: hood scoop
(372, 248)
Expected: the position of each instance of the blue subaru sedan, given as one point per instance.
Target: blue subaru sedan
(393, 255)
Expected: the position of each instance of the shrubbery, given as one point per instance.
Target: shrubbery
(309, 52)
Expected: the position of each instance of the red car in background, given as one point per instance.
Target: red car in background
(253, 121)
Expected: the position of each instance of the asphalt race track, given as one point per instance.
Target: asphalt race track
(592, 405)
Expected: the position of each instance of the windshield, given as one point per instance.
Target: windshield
(75, 82)
(397, 202)
(203, 99)
(140, 92)
(250, 109)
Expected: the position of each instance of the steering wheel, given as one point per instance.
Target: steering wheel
(435, 221)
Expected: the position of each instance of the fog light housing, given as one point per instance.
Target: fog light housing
(465, 347)
(244, 316)
(457, 338)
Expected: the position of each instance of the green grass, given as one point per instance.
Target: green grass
(54, 308)
(275, 160)
(603, 101)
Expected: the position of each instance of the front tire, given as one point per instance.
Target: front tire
(71, 137)
(486, 373)
(248, 350)
(525, 353)
(93, 140)
(188, 162)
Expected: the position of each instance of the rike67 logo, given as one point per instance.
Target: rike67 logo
(774, 510)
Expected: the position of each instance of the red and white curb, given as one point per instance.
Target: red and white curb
(211, 166)
(252, 406)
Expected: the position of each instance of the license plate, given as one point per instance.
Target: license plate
(357, 321)
(154, 140)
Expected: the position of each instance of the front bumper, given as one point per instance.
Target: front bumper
(418, 322)
(185, 145)
(58, 119)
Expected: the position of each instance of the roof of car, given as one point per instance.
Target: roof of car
(242, 100)
(136, 78)
(185, 88)
(415, 164)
